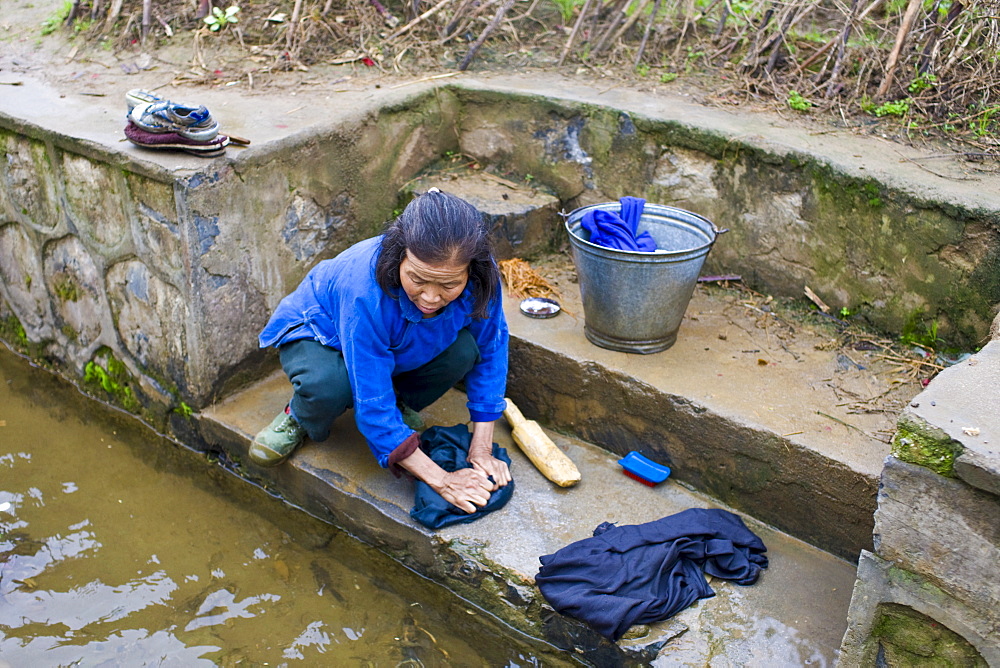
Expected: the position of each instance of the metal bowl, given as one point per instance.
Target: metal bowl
(540, 307)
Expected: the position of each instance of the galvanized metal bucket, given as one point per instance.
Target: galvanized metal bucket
(634, 302)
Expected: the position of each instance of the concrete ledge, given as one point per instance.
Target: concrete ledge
(961, 403)
(942, 530)
(492, 562)
(767, 439)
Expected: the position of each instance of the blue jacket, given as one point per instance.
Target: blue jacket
(340, 304)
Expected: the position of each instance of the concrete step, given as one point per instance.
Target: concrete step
(762, 407)
(521, 217)
(795, 614)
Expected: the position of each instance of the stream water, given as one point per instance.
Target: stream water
(118, 548)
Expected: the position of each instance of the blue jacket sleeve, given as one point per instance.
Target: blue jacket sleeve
(486, 383)
(369, 367)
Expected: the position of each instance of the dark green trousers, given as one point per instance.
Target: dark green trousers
(322, 390)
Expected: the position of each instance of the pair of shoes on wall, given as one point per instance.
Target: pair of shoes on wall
(151, 112)
(158, 123)
(176, 141)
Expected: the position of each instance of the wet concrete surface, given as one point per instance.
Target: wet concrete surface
(767, 413)
(794, 615)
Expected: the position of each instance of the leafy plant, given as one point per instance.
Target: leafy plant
(219, 19)
(923, 82)
(642, 69)
(797, 102)
(50, 24)
(667, 77)
(566, 8)
(980, 125)
(845, 312)
(918, 333)
(894, 108)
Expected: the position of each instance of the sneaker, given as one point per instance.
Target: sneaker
(412, 418)
(277, 441)
(165, 116)
(138, 96)
(175, 141)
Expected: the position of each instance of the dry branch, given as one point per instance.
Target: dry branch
(486, 33)
(406, 28)
(893, 61)
(645, 34)
(838, 64)
(576, 29)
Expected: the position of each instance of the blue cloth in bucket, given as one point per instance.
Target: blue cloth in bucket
(617, 231)
(449, 448)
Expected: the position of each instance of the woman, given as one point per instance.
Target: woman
(388, 326)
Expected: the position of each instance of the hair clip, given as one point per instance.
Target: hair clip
(433, 190)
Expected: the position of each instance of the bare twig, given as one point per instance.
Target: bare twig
(147, 13)
(904, 30)
(576, 29)
(113, 13)
(618, 15)
(486, 33)
(467, 19)
(846, 424)
(838, 64)
(430, 78)
(406, 28)
(631, 20)
(645, 34)
(293, 24)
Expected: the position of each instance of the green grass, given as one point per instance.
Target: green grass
(52, 23)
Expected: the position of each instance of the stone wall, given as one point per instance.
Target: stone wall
(896, 259)
(167, 274)
(930, 594)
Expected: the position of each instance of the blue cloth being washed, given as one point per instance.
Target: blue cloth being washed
(449, 448)
(638, 574)
(618, 231)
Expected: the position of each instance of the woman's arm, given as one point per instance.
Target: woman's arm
(481, 455)
(465, 488)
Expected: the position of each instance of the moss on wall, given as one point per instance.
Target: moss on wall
(12, 331)
(107, 373)
(925, 446)
(911, 639)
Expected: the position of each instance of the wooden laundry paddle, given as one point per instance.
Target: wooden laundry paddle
(539, 448)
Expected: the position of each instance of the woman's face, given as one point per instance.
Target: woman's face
(431, 287)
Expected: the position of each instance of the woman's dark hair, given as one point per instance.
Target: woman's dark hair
(435, 228)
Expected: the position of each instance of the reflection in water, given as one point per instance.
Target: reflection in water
(117, 548)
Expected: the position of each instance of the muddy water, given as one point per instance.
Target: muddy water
(117, 548)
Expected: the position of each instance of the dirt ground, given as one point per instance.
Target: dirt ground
(342, 51)
(89, 58)
(870, 376)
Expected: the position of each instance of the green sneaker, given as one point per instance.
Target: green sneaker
(277, 441)
(412, 418)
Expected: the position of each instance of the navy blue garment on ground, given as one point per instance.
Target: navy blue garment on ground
(618, 231)
(642, 573)
(449, 447)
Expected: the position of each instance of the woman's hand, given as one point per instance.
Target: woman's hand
(481, 455)
(465, 489)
